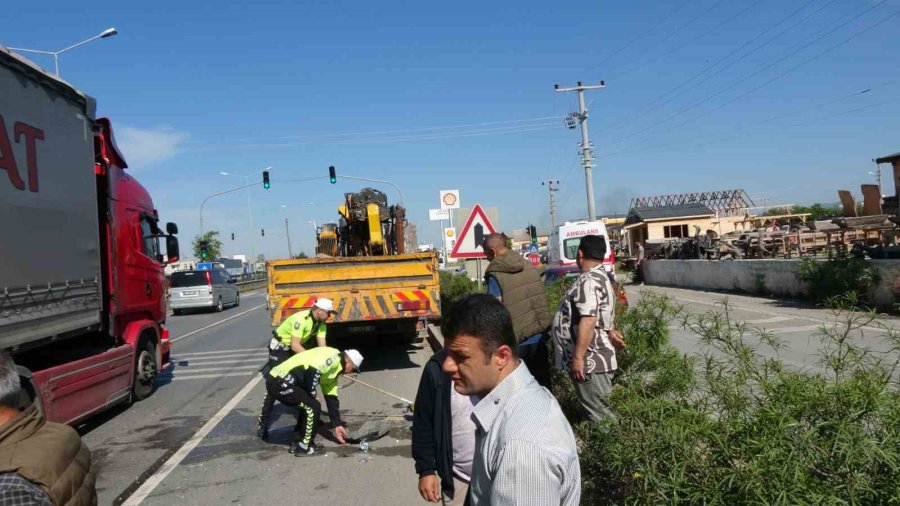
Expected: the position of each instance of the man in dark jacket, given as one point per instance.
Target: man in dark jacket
(517, 284)
(443, 436)
(41, 463)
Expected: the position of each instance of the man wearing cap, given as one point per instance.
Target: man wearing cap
(293, 382)
(288, 339)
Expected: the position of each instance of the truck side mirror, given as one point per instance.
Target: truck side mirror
(172, 247)
(171, 228)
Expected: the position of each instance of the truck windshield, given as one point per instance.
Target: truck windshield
(187, 278)
(570, 247)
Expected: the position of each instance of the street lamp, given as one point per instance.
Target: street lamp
(109, 32)
(249, 208)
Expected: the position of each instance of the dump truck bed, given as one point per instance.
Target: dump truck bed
(365, 290)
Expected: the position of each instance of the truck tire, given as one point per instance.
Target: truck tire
(219, 306)
(178, 312)
(145, 370)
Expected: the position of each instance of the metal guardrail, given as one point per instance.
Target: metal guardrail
(252, 284)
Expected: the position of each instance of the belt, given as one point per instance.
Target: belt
(275, 344)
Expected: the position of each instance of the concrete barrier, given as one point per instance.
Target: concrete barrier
(761, 277)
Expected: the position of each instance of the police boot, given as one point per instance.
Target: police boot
(313, 450)
(262, 430)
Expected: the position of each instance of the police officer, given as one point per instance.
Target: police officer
(289, 338)
(293, 382)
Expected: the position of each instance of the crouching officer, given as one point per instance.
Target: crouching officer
(293, 382)
(289, 338)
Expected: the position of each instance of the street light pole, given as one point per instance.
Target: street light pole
(109, 32)
(287, 231)
(249, 208)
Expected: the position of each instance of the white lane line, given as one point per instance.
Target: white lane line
(179, 338)
(769, 320)
(788, 330)
(231, 360)
(206, 376)
(243, 350)
(190, 370)
(156, 478)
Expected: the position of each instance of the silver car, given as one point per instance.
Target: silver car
(212, 289)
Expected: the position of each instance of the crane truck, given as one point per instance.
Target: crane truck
(361, 263)
(82, 290)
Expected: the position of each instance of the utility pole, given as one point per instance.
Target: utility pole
(553, 189)
(586, 149)
(288, 232)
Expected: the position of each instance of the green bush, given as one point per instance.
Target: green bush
(454, 287)
(839, 276)
(734, 425)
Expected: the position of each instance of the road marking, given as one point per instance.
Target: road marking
(769, 320)
(220, 352)
(788, 330)
(231, 360)
(772, 313)
(207, 376)
(188, 370)
(179, 338)
(156, 478)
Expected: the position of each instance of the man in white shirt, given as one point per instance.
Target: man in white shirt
(524, 448)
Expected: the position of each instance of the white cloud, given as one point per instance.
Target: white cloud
(146, 147)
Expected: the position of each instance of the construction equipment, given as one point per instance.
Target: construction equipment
(360, 263)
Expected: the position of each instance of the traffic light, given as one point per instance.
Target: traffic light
(532, 231)
(263, 231)
(232, 236)
(331, 175)
(204, 250)
(266, 184)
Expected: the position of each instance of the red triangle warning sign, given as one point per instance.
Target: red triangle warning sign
(477, 227)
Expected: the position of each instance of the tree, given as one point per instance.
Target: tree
(213, 247)
(301, 255)
(816, 211)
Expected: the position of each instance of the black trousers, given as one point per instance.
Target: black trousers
(310, 407)
(275, 358)
(537, 358)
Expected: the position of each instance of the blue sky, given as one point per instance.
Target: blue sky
(701, 95)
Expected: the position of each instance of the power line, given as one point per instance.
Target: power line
(382, 140)
(473, 133)
(677, 146)
(649, 106)
(640, 35)
(386, 132)
(760, 70)
(679, 29)
(692, 40)
(788, 71)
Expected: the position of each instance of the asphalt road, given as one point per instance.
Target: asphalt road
(798, 324)
(193, 441)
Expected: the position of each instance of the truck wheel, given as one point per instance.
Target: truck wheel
(219, 305)
(145, 370)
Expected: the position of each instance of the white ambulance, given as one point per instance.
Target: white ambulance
(568, 237)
